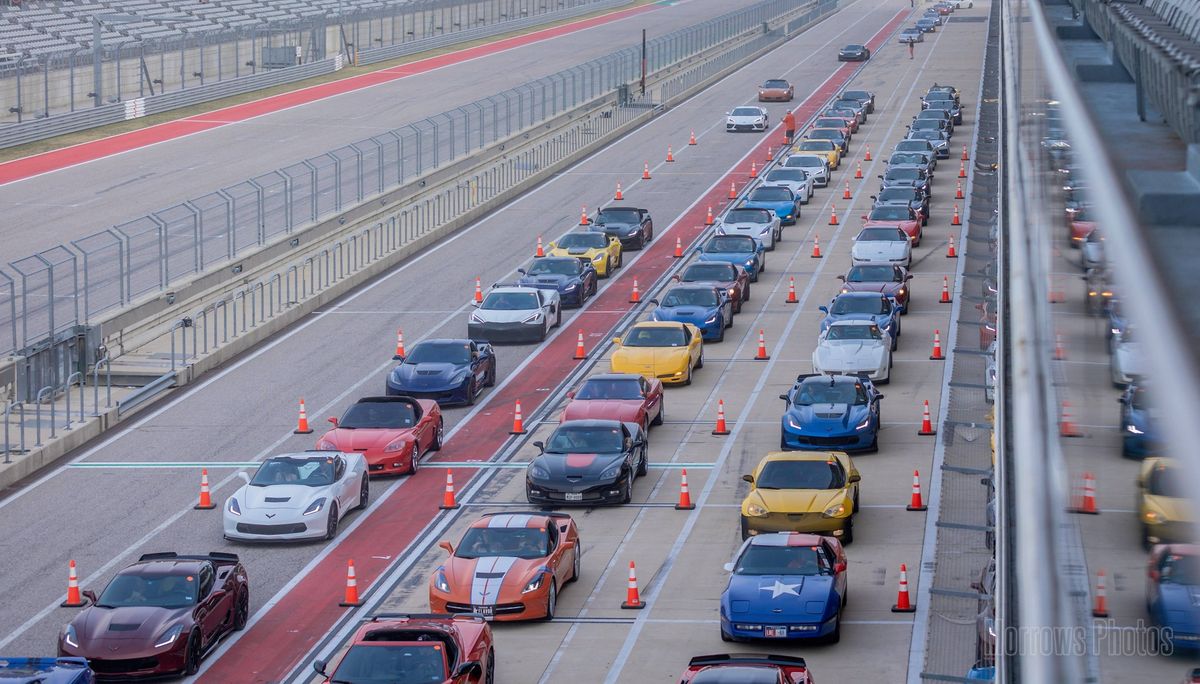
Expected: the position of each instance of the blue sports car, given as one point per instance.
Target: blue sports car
(785, 585)
(1174, 581)
(450, 371)
(705, 306)
(1140, 434)
(831, 412)
(574, 279)
(777, 198)
(880, 309)
(47, 670)
(740, 250)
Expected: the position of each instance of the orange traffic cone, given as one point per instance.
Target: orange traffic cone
(74, 600)
(833, 215)
(958, 193)
(956, 220)
(206, 502)
(635, 297)
(732, 190)
(1100, 608)
(478, 292)
(791, 297)
(1084, 499)
(964, 154)
(400, 353)
(580, 352)
(770, 156)
(670, 155)
(302, 427)
(962, 169)
(916, 504)
(351, 598)
(633, 600)
(945, 299)
(950, 253)
(846, 193)
(937, 347)
(858, 174)
(685, 497)
(1060, 352)
(867, 156)
(816, 253)
(541, 249)
(1066, 425)
(646, 171)
(926, 422)
(762, 347)
(692, 140)
(619, 196)
(721, 429)
(903, 604)
(678, 249)
(448, 501)
(583, 217)
(518, 427)
(753, 170)
(708, 219)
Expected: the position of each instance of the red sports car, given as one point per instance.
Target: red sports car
(776, 90)
(896, 216)
(392, 433)
(446, 649)
(1082, 225)
(508, 566)
(160, 616)
(747, 667)
(627, 397)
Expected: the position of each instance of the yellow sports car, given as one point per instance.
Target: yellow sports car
(604, 252)
(802, 491)
(826, 147)
(1163, 503)
(667, 350)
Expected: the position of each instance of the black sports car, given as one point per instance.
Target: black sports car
(587, 462)
(632, 226)
(854, 53)
(574, 279)
(866, 97)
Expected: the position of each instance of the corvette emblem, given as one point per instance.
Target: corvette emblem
(114, 648)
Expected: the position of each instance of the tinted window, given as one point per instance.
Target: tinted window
(786, 174)
(619, 216)
(748, 216)
(902, 194)
(730, 244)
(647, 336)
(378, 414)
(776, 83)
(760, 559)
(820, 391)
(854, 332)
(583, 241)
(1165, 481)
(510, 301)
(801, 475)
(856, 95)
(382, 663)
(805, 160)
(568, 267)
(1180, 569)
(690, 296)
(740, 674)
(904, 173)
(771, 194)
(518, 542)
(811, 145)
(309, 472)
(163, 591)
(855, 305)
(875, 273)
(892, 213)
(610, 388)
(439, 352)
(825, 134)
(881, 235)
(709, 271)
(746, 111)
(585, 439)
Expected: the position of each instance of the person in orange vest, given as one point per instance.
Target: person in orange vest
(789, 126)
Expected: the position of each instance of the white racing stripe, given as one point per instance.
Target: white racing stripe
(488, 579)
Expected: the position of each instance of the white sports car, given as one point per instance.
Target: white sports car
(815, 165)
(882, 246)
(515, 314)
(854, 347)
(297, 496)
(795, 179)
(760, 224)
(1126, 362)
(748, 118)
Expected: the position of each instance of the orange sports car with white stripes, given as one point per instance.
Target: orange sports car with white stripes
(508, 566)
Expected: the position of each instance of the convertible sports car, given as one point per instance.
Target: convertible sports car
(730, 276)
(889, 280)
(627, 397)
(297, 496)
(707, 307)
(587, 462)
(396, 647)
(746, 119)
(1139, 420)
(631, 225)
(1164, 503)
(882, 246)
(815, 165)
(1172, 583)
(1125, 358)
(893, 216)
(864, 306)
(740, 250)
(785, 585)
(574, 279)
(746, 667)
(855, 348)
(510, 313)
(803, 492)
(759, 222)
(508, 566)
(794, 179)
(160, 616)
(776, 90)
(778, 199)
(854, 53)
(831, 412)
(826, 148)
(668, 351)
(392, 433)
(46, 671)
(601, 250)
(448, 371)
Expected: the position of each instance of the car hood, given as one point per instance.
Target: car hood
(131, 624)
(879, 251)
(489, 580)
(577, 252)
(359, 439)
(649, 360)
(427, 375)
(849, 355)
(745, 119)
(547, 281)
(901, 224)
(624, 410)
(1174, 509)
(618, 228)
(504, 315)
(1129, 358)
(287, 497)
(884, 287)
(564, 467)
(798, 500)
(776, 598)
(1181, 602)
(695, 315)
(827, 417)
(747, 227)
(879, 319)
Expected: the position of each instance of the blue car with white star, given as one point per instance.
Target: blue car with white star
(574, 279)
(1140, 436)
(740, 250)
(705, 306)
(880, 309)
(831, 412)
(447, 371)
(785, 586)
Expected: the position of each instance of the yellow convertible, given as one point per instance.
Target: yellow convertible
(602, 251)
(828, 148)
(1164, 505)
(668, 350)
(802, 491)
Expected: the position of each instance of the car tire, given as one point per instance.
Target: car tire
(688, 379)
(721, 335)
(191, 655)
(836, 635)
(728, 324)
(662, 413)
(576, 563)
(241, 611)
(627, 494)
(745, 295)
(643, 464)
(558, 313)
(896, 340)
(848, 534)
(762, 267)
(551, 601)
(489, 676)
(745, 529)
(439, 436)
(621, 259)
(857, 494)
(414, 459)
(726, 637)
(700, 361)
(364, 492)
(331, 522)
(472, 390)
(490, 380)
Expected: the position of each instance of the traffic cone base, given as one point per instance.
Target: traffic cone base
(685, 497)
(74, 599)
(206, 503)
(302, 427)
(633, 600)
(916, 503)
(351, 599)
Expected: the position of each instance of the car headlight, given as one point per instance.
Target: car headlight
(611, 472)
(440, 583)
(598, 257)
(70, 638)
(571, 287)
(901, 292)
(534, 584)
(326, 445)
(533, 318)
(168, 637)
(234, 507)
(476, 319)
(315, 507)
(398, 444)
(865, 422)
(749, 263)
(757, 511)
(632, 231)
(712, 319)
(539, 472)
(729, 120)
(1133, 429)
(1151, 517)
(793, 424)
(732, 292)
(835, 511)
(765, 231)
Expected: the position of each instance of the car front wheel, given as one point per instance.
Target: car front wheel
(331, 522)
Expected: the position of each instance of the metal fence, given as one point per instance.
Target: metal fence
(71, 285)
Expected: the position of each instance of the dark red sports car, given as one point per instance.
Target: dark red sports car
(896, 216)
(432, 647)
(730, 276)
(627, 397)
(746, 667)
(392, 433)
(160, 616)
(890, 279)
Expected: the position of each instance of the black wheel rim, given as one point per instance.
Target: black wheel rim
(364, 491)
(243, 611)
(416, 458)
(331, 523)
(193, 656)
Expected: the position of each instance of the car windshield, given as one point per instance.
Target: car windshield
(907, 158)
(157, 590)
(819, 391)
(509, 542)
(801, 475)
(619, 216)
(881, 235)
(853, 47)
(567, 267)
(690, 296)
(901, 194)
(385, 415)
(730, 244)
(583, 241)
(829, 123)
(915, 145)
(776, 83)
(904, 173)
(854, 332)
(510, 301)
(390, 663)
(710, 271)
(747, 216)
(610, 388)
(585, 439)
(874, 273)
(1140, 398)
(925, 135)
(439, 352)
(760, 559)
(746, 111)
(852, 105)
(929, 124)
(306, 472)
(1166, 481)
(1181, 569)
(858, 305)
(804, 161)
(812, 144)
(771, 194)
(856, 95)
(825, 134)
(655, 336)
(890, 213)
(786, 174)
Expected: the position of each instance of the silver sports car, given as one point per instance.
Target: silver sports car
(854, 347)
(297, 496)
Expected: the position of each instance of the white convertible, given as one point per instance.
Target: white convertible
(297, 496)
(854, 347)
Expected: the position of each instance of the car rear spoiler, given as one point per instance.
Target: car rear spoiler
(462, 617)
(748, 659)
(548, 514)
(217, 556)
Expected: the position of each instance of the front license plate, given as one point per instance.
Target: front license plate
(488, 612)
(574, 496)
(777, 632)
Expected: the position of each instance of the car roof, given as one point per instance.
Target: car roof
(785, 539)
(621, 208)
(802, 456)
(162, 566)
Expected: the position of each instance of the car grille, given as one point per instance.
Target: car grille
(250, 528)
(120, 666)
(428, 372)
(829, 415)
(828, 441)
(499, 609)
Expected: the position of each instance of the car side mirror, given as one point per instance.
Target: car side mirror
(616, 341)
(653, 300)
(856, 478)
(728, 567)
(522, 271)
(571, 394)
(639, 442)
(447, 546)
(748, 478)
(880, 397)
(474, 303)
(471, 668)
(842, 278)
(244, 476)
(863, 217)
(551, 246)
(540, 445)
(908, 277)
(880, 176)
(784, 397)
(333, 420)
(823, 309)
(318, 666)
(90, 595)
